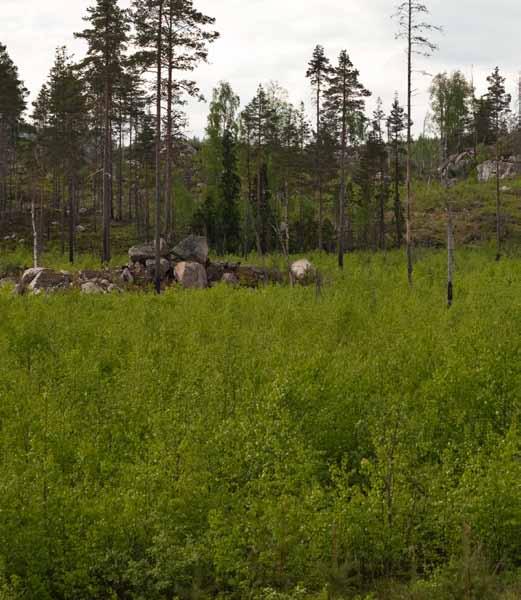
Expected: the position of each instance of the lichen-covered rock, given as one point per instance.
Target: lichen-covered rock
(140, 254)
(48, 280)
(191, 275)
(29, 274)
(192, 249)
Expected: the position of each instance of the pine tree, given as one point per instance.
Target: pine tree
(106, 38)
(345, 100)
(319, 70)
(499, 105)
(186, 39)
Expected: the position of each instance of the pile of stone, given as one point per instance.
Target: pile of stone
(187, 264)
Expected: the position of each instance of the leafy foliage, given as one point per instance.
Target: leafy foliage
(179, 455)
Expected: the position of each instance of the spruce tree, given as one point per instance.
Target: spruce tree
(396, 125)
(230, 189)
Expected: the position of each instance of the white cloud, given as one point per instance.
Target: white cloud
(263, 40)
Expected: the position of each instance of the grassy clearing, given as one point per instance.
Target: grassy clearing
(266, 444)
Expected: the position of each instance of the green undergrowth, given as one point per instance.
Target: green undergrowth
(270, 444)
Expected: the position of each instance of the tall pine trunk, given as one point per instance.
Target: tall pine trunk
(342, 200)
(158, 150)
(319, 178)
(170, 201)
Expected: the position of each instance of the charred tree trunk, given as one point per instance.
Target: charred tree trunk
(408, 233)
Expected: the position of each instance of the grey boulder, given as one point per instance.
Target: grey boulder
(191, 275)
(140, 254)
(192, 249)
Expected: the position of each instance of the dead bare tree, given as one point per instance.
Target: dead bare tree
(414, 30)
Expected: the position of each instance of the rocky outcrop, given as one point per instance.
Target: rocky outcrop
(192, 249)
(191, 275)
(507, 169)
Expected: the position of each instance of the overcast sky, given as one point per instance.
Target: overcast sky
(272, 40)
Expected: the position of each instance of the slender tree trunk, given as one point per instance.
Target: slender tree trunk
(341, 207)
(258, 220)
(36, 241)
(249, 204)
(397, 203)
(498, 205)
(107, 173)
(120, 169)
(319, 176)
(72, 215)
(63, 216)
(158, 150)
(131, 169)
(170, 206)
(450, 256)
(409, 148)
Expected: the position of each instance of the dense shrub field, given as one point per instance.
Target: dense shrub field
(270, 444)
